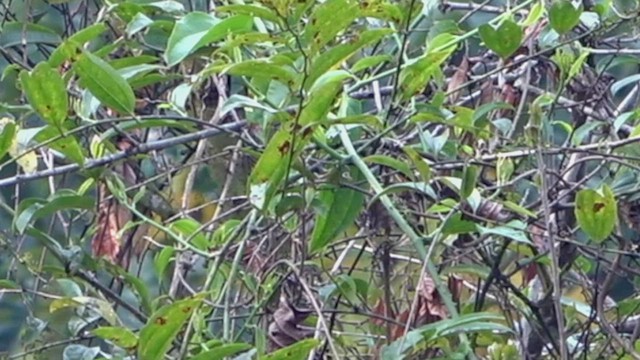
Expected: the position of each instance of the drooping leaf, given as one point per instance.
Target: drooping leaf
(47, 93)
(564, 15)
(163, 326)
(596, 212)
(197, 29)
(503, 40)
(343, 206)
(104, 82)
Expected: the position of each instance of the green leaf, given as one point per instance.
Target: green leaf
(222, 351)
(162, 260)
(119, 336)
(187, 227)
(390, 162)
(297, 351)
(503, 40)
(418, 162)
(253, 10)
(198, 29)
(263, 69)
(61, 53)
(16, 34)
(104, 82)
(163, 326)
(415, 77)
(369, 62)
(328, 19)
(34, 209)
(66, 144)
(514, 230)
(456, 225)
(469, 178)
(335, 56)
(272, 165)
(6, 137)
(536, 12)
(47, 93)
(343, 206)
(596, 212)
(420, 338)
(564, 16)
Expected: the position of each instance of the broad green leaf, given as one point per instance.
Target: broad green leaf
(104, 82)
(390, 162)
(223, 233)
(514, 230)
(119, 336)
(197, 29)
(38, 208)
(621, 84)
(66, 144)
(16, 34)
(61, 53)
(163, 326)
(596, 212)
(503, 40)
(263, 69)
(47, 93)
(564, 15)
(221, 352)
(342, 208)
(368, 62)
(415, 77)
(334, 57)
(328, 19)
(188, 228)
(252, 10)
(297, 351)
(456, 225)
(272, 165)
(423, 336)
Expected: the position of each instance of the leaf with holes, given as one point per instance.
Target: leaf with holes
(564, 16)
(596, 212)
(503, 40)
(46, 93)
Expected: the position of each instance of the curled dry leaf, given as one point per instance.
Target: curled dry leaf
(111, 218)
(286, 327)
(458, 78)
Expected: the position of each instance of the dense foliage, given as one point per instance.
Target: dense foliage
(282, 179)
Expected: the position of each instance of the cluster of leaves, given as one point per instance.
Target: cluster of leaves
(283, 179)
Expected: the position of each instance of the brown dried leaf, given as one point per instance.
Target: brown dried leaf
(458, 78)
(432, 307)
(111, 218)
